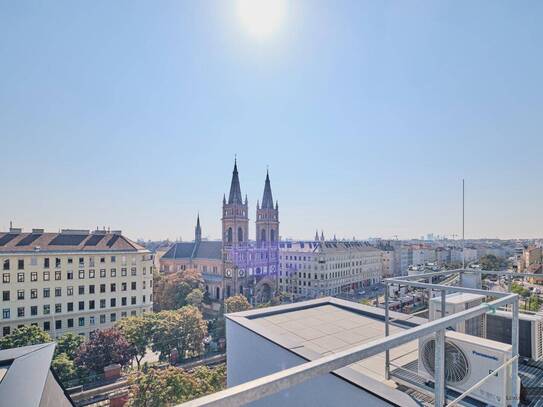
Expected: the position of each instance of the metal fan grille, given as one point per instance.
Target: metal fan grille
(456, 363)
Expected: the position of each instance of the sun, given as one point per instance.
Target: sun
(261, 18)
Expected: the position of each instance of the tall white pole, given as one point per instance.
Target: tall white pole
(463, 226)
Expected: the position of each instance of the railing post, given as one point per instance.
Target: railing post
(514, 342)
(439, 391)
(387, 352)
(443, 303)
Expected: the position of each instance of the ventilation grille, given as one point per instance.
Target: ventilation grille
(457, 367)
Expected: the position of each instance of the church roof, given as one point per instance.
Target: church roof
(235, 189)
(195, 250)
(267, 199)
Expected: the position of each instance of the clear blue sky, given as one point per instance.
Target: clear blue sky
(128, 114)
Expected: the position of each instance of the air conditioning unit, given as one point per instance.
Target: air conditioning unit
(498, 328)
(458, 302)
(469, 359)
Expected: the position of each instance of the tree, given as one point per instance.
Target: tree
(24, 336)
(65, 368)
(165, 387)
(171, 290)
(491, 262)
(68, 344)
(195, 297)
(183, 329)
(104, 347)
(236, 303)
(138, 331)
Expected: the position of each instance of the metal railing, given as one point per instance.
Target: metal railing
(276, 382)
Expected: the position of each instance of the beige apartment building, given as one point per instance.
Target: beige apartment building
(313, 269)
(73, 281)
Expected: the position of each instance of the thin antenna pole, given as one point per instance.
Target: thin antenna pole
(463, 225)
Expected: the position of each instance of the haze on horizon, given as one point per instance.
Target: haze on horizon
(368, 114)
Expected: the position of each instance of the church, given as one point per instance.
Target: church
(234, 264)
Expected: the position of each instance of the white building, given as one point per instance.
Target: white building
(72, 281)
(317, 268)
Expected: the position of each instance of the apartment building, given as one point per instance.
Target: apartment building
(311, 269)
(72, 281)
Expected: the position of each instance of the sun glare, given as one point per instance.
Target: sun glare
(261, 18)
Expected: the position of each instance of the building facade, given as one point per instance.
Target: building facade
(314, 269)
(73, 281)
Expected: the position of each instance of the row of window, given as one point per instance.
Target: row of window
(58, 262)
(6, 277)
(46, 308)
(70, 322)
(6, 294)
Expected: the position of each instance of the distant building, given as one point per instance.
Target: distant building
(311, 269)
(72, 281)
(26, 378)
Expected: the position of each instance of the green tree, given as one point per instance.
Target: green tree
(171, 290)
(68, 344)
(491, 262)
(65, 368)
(236, 303)
(195, 297)
(24, 336)
(104, 347)
(138, 331)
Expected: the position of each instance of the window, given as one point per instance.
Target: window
(112, 302)
(20, 264)
(113, 259)
(58, 308)
(70, 322)
(6, 331)
(123, 314)
(133, 271)
(82, 321)
(70, 260)
(5, 295)
(33, 276)
(102, 272)
(144, 298)
(5, 313)
(47, 326)
(102, 319)
(46, 263)
(34, 293)
(46, 309)
(20, 294)
(58, 275)
(144, 284)
(91, 304)
(102, 288)
(70, 290)
(33, 310)
(58, 263)
(81, 290)
(113, 287)
(21, 312)
(123, 272)
(81, 305)
(91, 320)
(81, 274)
(70, 306)
(46, 292)
(133, 300)
(113, 317)
(123, 286)
(6, 264)
(102, 303)
(58, 324)
(91, 289)
(113, 272)
(20, 277)
(5, 278)
(133, 285)
(133, 313)
(102, 259)
(70, 275)
(81, 261)
(91, 273)
(123, 301)
(58, 292)
(91, 261)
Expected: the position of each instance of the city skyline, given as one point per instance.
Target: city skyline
(367, 114)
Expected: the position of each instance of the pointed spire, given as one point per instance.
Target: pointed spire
(235, 189)
(322, 235)
(316, 235)
(198, 230)
(246, 200)
(257, 204)
(267, 199)
(276, 205)
(224, 199)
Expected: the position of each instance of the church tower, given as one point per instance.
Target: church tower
(267, 218)
(198, 230)
(235, 216)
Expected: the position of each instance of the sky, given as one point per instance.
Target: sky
(368, 114)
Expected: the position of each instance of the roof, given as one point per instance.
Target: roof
(328, 246)
(66, 241)
(235, 189)
(195, 250)
(267, 199)
(316, 328)
(28, 368)
(459, 298)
